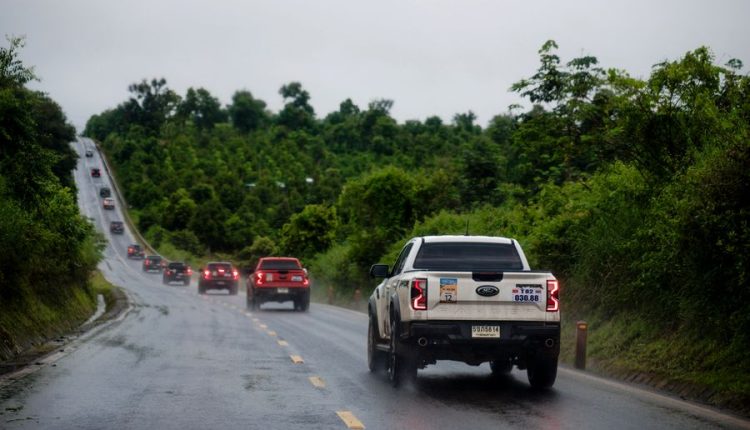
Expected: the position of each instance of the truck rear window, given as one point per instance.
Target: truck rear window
(280, 265)
(467, 257)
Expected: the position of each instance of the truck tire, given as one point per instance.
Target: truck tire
(233, 290)
(401, 365)
(304, 303)
(501, 367)
(187, 282)
(251, 301)
(376, 359)
(201, 290)
(542, 371)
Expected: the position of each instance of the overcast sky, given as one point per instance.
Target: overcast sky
(431, 57)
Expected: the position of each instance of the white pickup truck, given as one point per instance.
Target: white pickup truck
(464, 298)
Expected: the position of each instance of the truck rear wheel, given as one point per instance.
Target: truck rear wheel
(401, 365)
(376, 359)
(542, 371)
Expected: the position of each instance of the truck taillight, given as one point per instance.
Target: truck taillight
(419, 294)
(553, 295)
(189, 271)
(259, 278)
(306, 282)
(206, 274)
(235, 274)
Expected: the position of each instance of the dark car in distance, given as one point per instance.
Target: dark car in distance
(96, 172)
(177, 272)
(116, 227)
(135, 251)
(89, 153)
(153, 263)
(219, 276)
(105, 192)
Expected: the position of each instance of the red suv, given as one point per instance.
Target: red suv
(278, 279)
(219, 276)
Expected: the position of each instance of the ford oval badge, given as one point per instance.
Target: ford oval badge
(487, 290)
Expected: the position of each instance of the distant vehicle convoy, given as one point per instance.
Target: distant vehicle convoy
(219, 276)
(278, 279)
(464, 298)
(177, 272)
(108, 203)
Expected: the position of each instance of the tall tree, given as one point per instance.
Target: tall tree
(247, 112)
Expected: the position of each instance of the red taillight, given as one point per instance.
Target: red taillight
(235, 274)
(553, 295)
(419, 294)
(306, 282)
(189, 271)
(206, 274)
(259, 278)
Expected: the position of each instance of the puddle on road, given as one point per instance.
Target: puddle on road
(119, 341)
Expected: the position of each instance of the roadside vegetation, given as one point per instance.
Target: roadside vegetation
(632, 191)
(47, 250)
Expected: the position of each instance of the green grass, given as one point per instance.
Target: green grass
(99, 285)
(31, 320)
(625, 345)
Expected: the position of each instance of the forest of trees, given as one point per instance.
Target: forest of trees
(633, 191)
(48, 250)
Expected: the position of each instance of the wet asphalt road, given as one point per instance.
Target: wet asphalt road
(178, 360)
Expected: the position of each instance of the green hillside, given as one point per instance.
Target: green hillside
(47, 250)
(632, 191)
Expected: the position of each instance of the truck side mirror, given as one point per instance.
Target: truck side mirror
(379, 271)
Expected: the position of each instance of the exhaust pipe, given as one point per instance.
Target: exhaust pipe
(422, 341)
(549, 343)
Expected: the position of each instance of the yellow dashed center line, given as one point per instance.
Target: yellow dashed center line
(283, 343)
(350, 420)
(271, 333)
(296, 359)
(263, 326)
(317, 381)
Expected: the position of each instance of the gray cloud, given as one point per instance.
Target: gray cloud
(431, 57)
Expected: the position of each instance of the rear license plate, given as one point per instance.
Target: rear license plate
(282, 290)
(296, 278)
(220, 283)
(485, 331)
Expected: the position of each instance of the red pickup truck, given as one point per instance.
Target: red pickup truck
(278, 279)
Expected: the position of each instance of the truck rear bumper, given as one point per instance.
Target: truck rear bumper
(452, 340)
(272, 294)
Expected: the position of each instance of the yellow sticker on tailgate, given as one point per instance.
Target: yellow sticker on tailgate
(448, 290)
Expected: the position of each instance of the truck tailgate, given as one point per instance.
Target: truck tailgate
(512, 296)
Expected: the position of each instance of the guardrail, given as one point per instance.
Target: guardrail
(123, 203)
